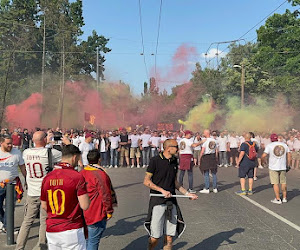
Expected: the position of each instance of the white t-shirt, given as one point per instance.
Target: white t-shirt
(36, 162)
(222, 143)
(155, 141)
(102, 146)
(296, 145)
(162, 140)
(82, 139)
(266, 141)
(233, 142)
(210, 146)
(85, 148)
(290, 145)
(9, 162)
(134, 140)
(242, 139)
(185, 146)
(114, 141)
(277, 155)
(256, 142)
(196, 141)
(145, 139)
(76, 141)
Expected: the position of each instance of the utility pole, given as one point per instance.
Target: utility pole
(62, 89)
(242, 86)
(97, 68)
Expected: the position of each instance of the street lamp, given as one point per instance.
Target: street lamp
(242, 67)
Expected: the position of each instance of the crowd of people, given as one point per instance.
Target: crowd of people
(68, 167)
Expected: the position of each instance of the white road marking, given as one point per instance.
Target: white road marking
(291, 224)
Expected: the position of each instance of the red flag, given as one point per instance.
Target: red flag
(87, 117)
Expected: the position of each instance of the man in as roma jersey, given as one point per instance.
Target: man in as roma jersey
(64, 196)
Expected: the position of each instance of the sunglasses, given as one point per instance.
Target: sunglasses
(174, 146)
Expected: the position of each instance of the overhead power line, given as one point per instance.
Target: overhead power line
(251, 28)
(142, 39)
(158, 29)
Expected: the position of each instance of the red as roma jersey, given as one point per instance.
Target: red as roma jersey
(60, 190)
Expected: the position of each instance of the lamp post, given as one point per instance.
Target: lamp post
(242, 67)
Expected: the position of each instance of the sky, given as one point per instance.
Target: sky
(191, 24)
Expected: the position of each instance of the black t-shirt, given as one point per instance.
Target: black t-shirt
(164, 172)
(124, 138)
(26, 139)
(246, 162)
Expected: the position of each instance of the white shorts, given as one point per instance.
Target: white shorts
(159, 223)
(70, 239)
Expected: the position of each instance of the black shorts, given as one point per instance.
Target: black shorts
(246, 171)
(234, 152)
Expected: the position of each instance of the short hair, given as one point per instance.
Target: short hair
(93, 156)
(3, 137)
(70, 150)
(252, 134)
(167, 143)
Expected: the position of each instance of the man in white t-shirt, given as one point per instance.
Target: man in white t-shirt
(154, 143)
(197, 149)
(134, 149)
(36, 161)
(145, 137)
(76, 140)
(114, 140)
(234, 144)
(84, 148)
(279, 157)
(164, 136)
(10, 160)
(222, 143)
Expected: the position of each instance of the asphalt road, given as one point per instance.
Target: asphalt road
(214, 221)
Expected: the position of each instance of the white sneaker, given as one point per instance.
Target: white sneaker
(191, 191)
(138, 166)
(116, 166)
(226, 166)
(110, 166)
(284, 200)
(276, 201)
(220, 165)
(204, 191)
(260, 166)
(144, 166)
(132, 166)
(215, 190)
(1, 225)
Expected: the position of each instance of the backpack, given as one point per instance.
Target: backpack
(252, 151)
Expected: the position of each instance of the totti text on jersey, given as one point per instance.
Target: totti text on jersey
(56, 182)
(33, 157)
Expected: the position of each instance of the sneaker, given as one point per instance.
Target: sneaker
(220, 165)
(138, 166)
(260, 166)
(191, 191)
(1, 225)
(110, 166)
(204, 191)
(284, 200)
(249, 192)
(226, 166)
(132, 166)
(215, 190)
(116, 166)
(241, 192)
(255, 178)
(144, 166)
(276, 201)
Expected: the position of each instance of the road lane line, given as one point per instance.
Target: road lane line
(291, 224)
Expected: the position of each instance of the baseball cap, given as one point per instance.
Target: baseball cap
(274, 137)
(188, 132)
(87, 135)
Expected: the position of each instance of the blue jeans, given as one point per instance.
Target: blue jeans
(114, 157)
(154, 152)
(103, 157)
(95, 232)
(223, 158)
(146, 156)
(190, 176)
(206, 179)
(2, 198)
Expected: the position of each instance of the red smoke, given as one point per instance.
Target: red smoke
(180, 69)
(26, 114)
